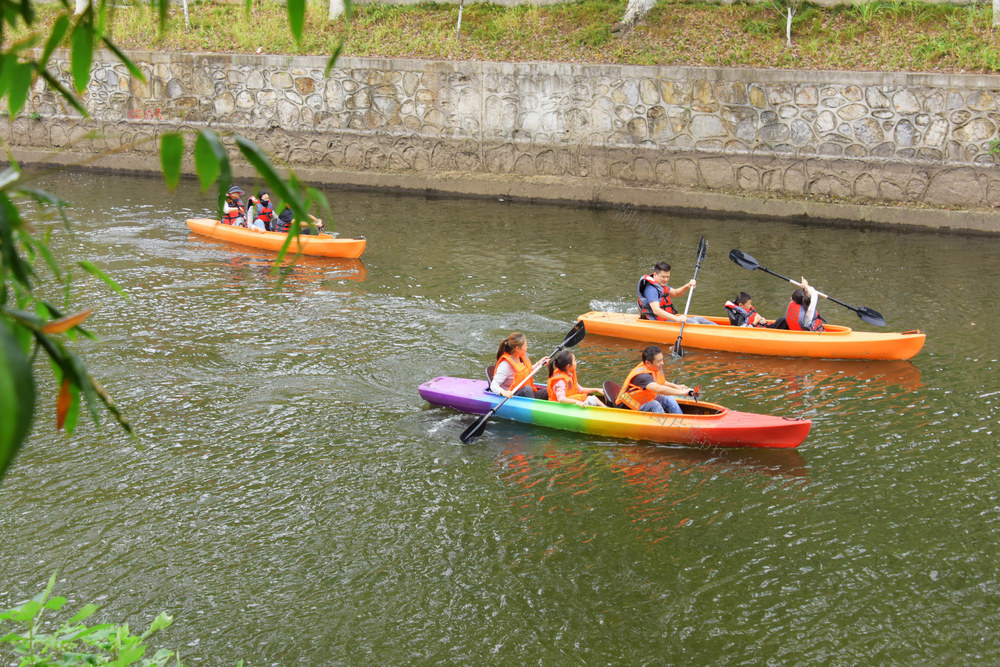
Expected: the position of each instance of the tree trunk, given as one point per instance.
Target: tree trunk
(788, 25)
(996, 12)
(336, 9)
(461, 5)
(187, 21)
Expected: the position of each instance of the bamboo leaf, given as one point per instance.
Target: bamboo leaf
(59, 29)
(64, 324)
(19, 86)
(56, 85)
(93, 270)
(17, 396)
(125, 60)
(85, 612)
(171, 153)
(63, 403)
(82, 56)
(296, 17)
(206, 163)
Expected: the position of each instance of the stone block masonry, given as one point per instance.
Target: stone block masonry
(869, 147)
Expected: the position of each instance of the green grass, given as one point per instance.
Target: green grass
(875, 35)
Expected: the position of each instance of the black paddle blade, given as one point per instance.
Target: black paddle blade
(678, 350)
(743, 260)
(474, 431)
(575, 335)
(702, 249)
(870, 316)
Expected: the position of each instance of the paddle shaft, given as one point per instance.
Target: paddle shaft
(697, 265)
(798, 284)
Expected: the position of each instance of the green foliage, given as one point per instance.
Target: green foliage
(760, 28)
(866, 11)
(30, 324)
(74, 643)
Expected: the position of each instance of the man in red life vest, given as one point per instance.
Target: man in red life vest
(801, 314)
(656, 297)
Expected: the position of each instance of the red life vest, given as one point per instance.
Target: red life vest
(521, 366)
(572, 388)
(264, 213)
(236, 211)
(645, 310)
(632, 396)
(741, 316)
(794, 312)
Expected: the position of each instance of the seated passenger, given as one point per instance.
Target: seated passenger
(514, 367)
(801, 314)
(562, 385)
(287, 217)
(743, 314)
(656, 297)
(261, 212)
(646, 390)
(233, 212)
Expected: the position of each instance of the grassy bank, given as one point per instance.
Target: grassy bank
(894, 36)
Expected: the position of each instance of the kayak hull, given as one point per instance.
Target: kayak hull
(319, 246)
(710, 424)
(837, 342)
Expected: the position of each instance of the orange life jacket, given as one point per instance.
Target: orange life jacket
(521, 366)
(572, 388)
(236, 211)
(632, 396)
(645, 310)
(794, 312)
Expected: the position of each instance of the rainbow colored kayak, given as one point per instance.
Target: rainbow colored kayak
(836, 342)
(322, 245)
(701, 424)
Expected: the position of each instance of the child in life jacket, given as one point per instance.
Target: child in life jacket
(233, 212)
(562, 385)
(742, 313)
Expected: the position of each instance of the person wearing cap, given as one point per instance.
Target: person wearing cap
(261, 212)
(233, 212)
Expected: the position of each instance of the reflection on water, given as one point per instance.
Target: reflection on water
(286, 460)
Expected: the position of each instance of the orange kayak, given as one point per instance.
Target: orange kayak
(837, 342)
(321, 246)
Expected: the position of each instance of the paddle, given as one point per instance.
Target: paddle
(747, 262)
(702, 247)
(574, 336)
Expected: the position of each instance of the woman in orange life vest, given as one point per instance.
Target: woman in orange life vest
(656, 297)
(742, 313)
(562, 385)
(801, 314)
(513, 366)
(233, 212)
(646, 390)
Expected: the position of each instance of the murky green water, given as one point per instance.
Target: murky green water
(292, 500)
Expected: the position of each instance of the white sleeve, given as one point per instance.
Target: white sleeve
(503, 374)
(813, 302)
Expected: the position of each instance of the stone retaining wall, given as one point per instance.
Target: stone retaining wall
(871, 138)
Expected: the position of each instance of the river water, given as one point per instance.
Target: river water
(291, 500)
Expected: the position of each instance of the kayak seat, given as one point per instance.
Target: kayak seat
(489, 372)
(611, 390)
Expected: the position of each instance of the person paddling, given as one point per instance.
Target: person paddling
(286, 218)
(233, 212)
(646, 389)
(513, 366)
(562, 385)
(802, 314)
(656, 297)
